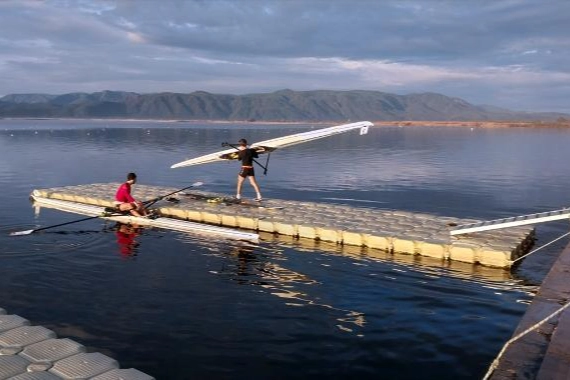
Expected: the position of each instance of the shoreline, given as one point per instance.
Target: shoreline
(377, 123)
(476, 124)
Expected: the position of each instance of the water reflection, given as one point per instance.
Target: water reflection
(126, 234)
(499, 279)
(258, 266)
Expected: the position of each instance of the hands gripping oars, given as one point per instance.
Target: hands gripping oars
(104, 214)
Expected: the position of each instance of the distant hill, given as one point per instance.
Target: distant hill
(284, 105)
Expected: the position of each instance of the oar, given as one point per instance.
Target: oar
(102, 215)
(153, 201)
(27, 232)
(224, 144)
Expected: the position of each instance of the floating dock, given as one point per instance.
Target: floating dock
(34, 352)
(391, 231)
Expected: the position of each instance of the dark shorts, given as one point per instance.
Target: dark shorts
(245, 171)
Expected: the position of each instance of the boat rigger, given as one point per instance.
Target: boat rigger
(159, 222)
(514, 221)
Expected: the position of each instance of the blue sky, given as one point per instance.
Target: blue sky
(507, 53)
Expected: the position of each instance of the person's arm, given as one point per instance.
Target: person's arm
(132, 199)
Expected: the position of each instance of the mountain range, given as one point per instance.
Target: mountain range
(283, 105)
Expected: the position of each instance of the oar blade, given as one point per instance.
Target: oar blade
(196, 184)
(21, 233)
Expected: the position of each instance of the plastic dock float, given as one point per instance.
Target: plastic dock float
(34, 352)
(388, 230)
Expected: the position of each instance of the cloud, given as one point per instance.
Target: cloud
(483, 52)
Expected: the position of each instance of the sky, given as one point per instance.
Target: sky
(512, 54)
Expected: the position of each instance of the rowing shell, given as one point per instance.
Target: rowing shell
(160, 222)
(268, 146)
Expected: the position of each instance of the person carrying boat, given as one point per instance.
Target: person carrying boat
(124, 201)
(246, 156)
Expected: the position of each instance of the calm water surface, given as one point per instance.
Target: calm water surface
(181, 307)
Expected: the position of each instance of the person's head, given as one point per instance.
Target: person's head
(242, 142)
(131, 177)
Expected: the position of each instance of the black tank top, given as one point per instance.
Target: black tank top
(246, 156)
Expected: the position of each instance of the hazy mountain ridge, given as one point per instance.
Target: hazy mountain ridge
(283, 105)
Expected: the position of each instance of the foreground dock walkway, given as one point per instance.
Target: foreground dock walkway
(388, 230)
(34, 352)
(544, 352)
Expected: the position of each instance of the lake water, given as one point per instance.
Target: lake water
(181, 307)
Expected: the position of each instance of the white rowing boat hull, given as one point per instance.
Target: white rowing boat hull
(160, 222)
(280, 142)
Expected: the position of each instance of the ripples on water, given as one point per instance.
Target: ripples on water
(181, 306)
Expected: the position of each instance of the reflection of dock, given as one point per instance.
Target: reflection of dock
(34, 352)
(387, 230)
(489, 276)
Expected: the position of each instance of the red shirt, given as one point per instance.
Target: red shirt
(124, 194)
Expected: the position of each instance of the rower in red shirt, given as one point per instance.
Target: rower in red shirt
(125, 201)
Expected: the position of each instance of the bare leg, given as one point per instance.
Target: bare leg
(253, 182)
(129, 207)
(240, 180)
(137, 210)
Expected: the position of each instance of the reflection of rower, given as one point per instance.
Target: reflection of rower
(126, 235)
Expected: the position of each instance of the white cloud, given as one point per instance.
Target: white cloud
(135, 37)
(123, 22)
(381, 72)
(36, 43)
(218, 46)
(93, 7)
